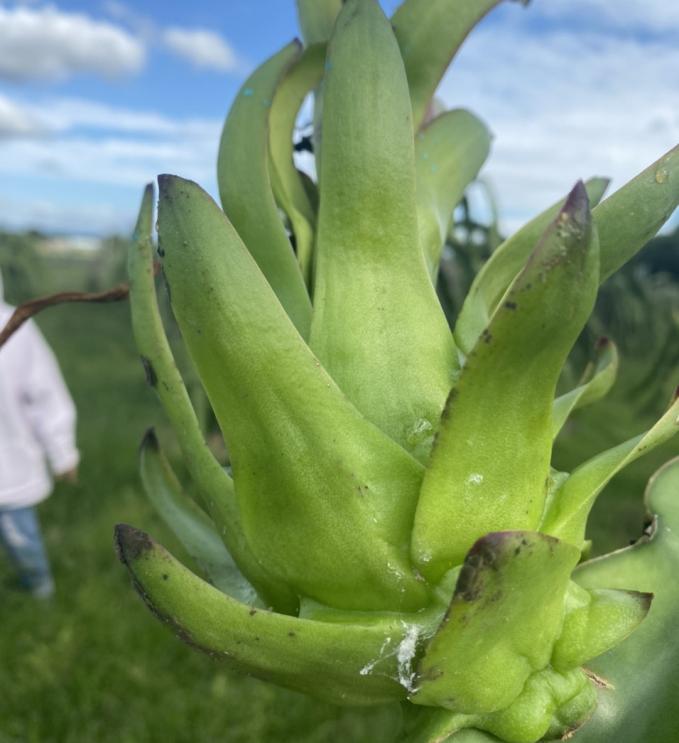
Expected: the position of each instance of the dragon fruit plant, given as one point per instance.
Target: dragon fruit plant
(390, 530)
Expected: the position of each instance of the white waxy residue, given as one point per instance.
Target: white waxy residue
(476, 478)
(425, 557)
(405, 656)
(368, 667)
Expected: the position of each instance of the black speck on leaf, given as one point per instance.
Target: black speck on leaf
(149, 372)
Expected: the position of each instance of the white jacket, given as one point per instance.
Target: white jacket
(37, 417)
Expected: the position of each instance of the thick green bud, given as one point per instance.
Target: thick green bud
(391, 495)
(377, 327)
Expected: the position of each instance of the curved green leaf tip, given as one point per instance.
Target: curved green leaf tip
(244, 177)
(596, 381)
(502, 267)
(595, 622)
(287, 182)
(491, 460)
(144, 224)
(449, 152)
(491, 638)
(429, 41)
(214, 485)
(566, 516)
(346, 663)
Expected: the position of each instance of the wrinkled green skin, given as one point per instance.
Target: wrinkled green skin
(392, 531)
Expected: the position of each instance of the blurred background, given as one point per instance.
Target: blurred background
(96, 99)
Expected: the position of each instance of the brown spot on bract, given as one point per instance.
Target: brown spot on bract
(510, 305)
(598, 681)
(149, 371)
(150, 440)
(131, 543)
(434, 673)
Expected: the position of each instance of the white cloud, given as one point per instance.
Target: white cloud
(141, 24)
(46, 43)
(73, 141)
(50, 216)
(87, 162)
(565, 105)
(16, 121)
(117, 161)
(657, 16)
(53, 116)
(571, 101)
(63, 115)
(202, 48)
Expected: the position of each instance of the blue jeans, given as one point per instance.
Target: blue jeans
(20, 536)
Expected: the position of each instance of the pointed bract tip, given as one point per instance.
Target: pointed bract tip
(576, 209)
(165, 181)
(493, 540)
(498, 541)
(144, 224)
(149, 440)
(168, 182)
(130, 543)
(578, 200)
(169, 185)
(645, 599)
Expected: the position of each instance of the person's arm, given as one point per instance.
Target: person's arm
(48, 405)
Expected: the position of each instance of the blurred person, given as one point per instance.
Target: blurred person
(37, 443)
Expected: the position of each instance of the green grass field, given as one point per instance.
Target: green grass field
(95, 666)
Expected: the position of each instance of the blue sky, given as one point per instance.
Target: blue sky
(98, 97)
